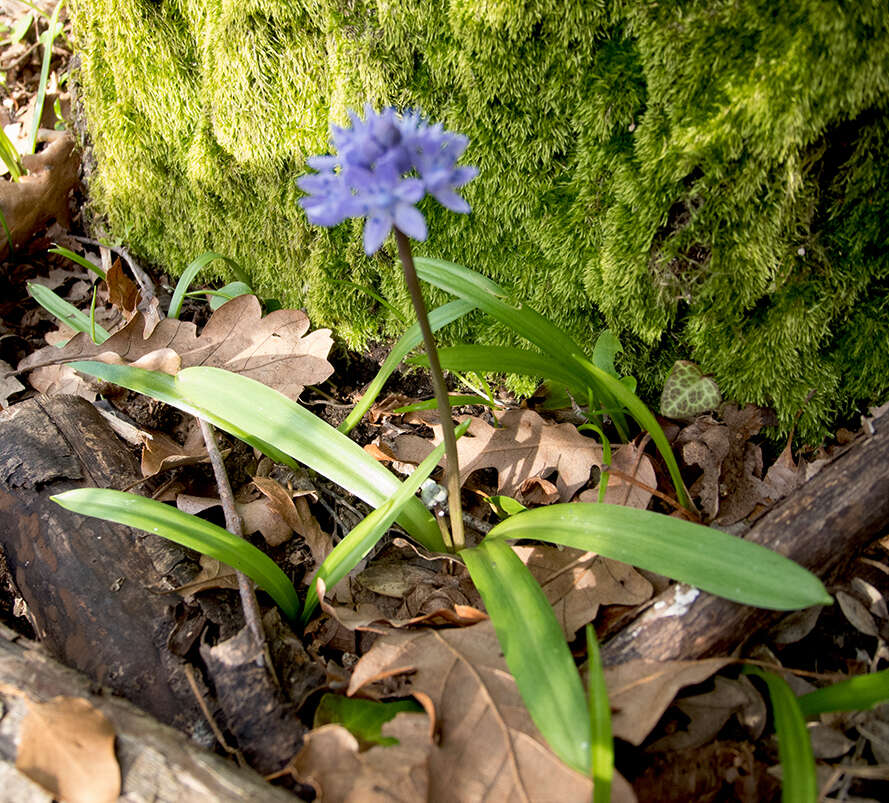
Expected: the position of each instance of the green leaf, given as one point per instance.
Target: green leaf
(855, 694)
(799, 783)
(502, 359)
(607, 346)
(20, 29)
(46, 39)
(505, 506)
(558, 346)
(364, 719)
(600, 722)
(82, 261)
(226, 293)
(406, 344)
(188, 276)
(534, 648)
(65, 312)
(700, 556)
(189, 531)
(687, 392)
(278, 427)
(454, 400)
(349, 552)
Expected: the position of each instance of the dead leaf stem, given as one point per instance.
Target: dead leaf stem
(234, 526)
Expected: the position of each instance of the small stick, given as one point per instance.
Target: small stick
(234, 526)
(220, 737)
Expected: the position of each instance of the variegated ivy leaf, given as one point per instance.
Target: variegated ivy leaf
(687, 392)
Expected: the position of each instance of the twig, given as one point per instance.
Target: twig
(690, 515)
(234, 526)
(220, 737)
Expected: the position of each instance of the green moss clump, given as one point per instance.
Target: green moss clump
(708, 178)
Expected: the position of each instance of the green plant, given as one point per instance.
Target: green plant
(11, 157)
(46, 39)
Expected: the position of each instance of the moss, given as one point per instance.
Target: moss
(707, 178)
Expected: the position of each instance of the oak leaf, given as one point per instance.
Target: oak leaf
(331, 762)
(490, 750)
(67, 746)
(576, 583)
(274, 350)
(524, 445)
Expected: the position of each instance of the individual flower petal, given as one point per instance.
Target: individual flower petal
(323, 163)
(410, 220)
(450, 200)
(376, 230)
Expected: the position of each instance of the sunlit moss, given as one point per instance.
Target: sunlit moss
(706, 178)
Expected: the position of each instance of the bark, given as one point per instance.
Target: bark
(96, 592)
(822, 526)
(157, 762)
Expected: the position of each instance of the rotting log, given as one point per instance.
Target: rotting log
(95, 591)
(157, 762)
(822, 526)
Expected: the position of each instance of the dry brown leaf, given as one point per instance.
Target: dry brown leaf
(490, 749)
(274, 350)
(213, 574)
(640, 691)
(67, 746)
(42, 194)
(857, 615)
(330, 761)
(57, 380)
(524, 446)
(628, 460)
(258, 516)
(707, 713)
(161, 453)
(123, 292)
(9, 385)
(537, 491)
(295, 512)
(576, 583)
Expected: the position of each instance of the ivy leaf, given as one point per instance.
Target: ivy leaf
(688, 393)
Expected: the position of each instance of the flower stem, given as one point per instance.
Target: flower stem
(452, 473)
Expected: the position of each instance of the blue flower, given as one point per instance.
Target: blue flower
(385, 165)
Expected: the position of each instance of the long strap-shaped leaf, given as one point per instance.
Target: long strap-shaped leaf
(364, 536)
(534, 648)
(557, 345)
(708, 559)
(439, 317)
(189, 531)
(855, 694)
(278, 427)
(799, 783)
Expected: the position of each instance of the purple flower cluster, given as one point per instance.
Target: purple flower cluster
(385, 165)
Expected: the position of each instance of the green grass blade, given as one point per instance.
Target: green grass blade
(700, 556)
(74, 257)
(600, 722)
(349, 552)
(454, 400)
(412, 338)
(501, 359)
(48, 37)
(10, 157)
(195, 267)
(535, 650)
(799, 784)
(65, 312)
(557, 345)
(278, 427)
(226, 293)
(189, 531)
(855, 694)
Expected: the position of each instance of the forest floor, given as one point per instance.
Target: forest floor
(406, 625)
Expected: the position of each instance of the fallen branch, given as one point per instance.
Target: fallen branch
(821, 526)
